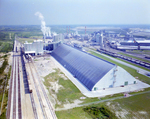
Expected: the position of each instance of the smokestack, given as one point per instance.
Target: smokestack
(85, 30)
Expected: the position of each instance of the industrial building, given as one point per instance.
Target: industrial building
(34, 48)
(58, 37)
(99, 39)
(92, 72)
(38, 47)
(135, 44)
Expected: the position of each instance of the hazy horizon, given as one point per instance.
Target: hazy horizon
(75, 12)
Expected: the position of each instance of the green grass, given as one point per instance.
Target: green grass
(3, 114)
(6, 46)
(2, 68)
(133, 72)
(79, 113)
(38, 37)
(75, 113)
(47, 58)
(22, 40)
(134, 57)
(101, 112)
(133, 105)
(69, 91)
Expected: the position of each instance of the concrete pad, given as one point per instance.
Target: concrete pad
(110, 91)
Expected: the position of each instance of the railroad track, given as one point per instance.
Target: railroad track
(31, 94)
(33, 106)
(45, 95)
(14, 101)
(14, 94)
(38, 94)
(19, 93)
(126, 58)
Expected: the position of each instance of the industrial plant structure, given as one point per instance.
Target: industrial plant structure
(34, 48)
(38, 47)
(92, 72)
(99, 39)
(135, 44)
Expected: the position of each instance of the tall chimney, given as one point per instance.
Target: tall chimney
(85, 29)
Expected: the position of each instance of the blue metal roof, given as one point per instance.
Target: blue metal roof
(86, 68)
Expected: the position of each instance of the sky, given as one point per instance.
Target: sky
(75, 12)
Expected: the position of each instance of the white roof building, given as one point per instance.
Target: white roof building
(34, 48)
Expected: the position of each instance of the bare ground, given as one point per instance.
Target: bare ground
(46, 66)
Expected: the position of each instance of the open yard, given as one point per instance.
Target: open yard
(66, 97)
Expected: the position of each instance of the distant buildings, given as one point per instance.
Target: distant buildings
(133, 44)
(99, 39)
(59, 37)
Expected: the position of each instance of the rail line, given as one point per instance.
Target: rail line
(38, 94)
(126, 58)
(19, 94)
(31, 94)
(33, 106)
(14, 94)
(46, 97)
(14, 97)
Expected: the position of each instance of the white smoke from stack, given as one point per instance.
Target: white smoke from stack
(45, 30)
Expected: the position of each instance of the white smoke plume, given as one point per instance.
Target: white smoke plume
(45, 30)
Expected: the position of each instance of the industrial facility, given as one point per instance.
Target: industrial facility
(92, 72)
(38, 47)
(134, 44)
(35, 48)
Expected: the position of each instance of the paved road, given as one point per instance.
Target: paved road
(141, 71)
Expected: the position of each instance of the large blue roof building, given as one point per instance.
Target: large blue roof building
(92, 72)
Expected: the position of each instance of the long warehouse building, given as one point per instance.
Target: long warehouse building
(92, 72)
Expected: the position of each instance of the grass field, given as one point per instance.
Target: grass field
(127, 108)
(133, 107)
(2, 84)
(67, 92)
(38, 37)
(75, 113)
(22, 40)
